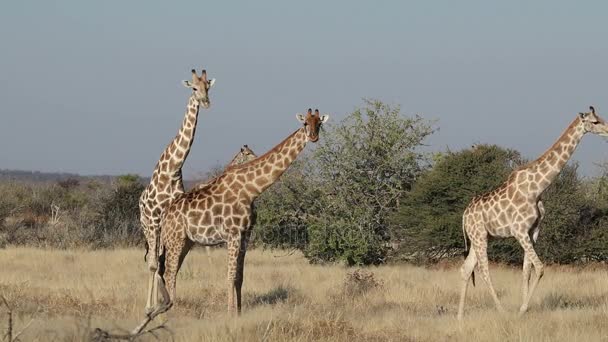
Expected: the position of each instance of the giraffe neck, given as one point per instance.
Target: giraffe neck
(546, 168)
(176, 152)
(262, 172)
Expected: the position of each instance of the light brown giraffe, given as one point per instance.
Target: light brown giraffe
(515, 209)
(222, 212)
(166, 181)
(244, 155)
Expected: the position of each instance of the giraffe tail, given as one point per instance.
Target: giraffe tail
(466, 249)
(147, 250)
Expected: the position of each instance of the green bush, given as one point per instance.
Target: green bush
(337, 199)
(428, 225)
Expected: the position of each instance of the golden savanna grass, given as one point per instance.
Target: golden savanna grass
(287, 299)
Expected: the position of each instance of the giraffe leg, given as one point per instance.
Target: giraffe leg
(465, 272)
(173, 262)
(240, 268)
(526, 273)
(152, 298)
(531, 257)
(481, 248)
(234, 244)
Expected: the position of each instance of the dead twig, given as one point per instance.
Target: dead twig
(100, 335)
(9, 336)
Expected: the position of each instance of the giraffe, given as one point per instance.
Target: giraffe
(166, 180)
(222, 212)
(244, 155)
(515, 209)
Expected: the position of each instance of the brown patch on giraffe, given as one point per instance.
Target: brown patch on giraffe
(267, 169)
(216, 209)
(261, 182)
(227, 210)
(163, 178)
(206, 220)
(195, 216)
(184, 144)
(237, 209)
(276, 173)
(251, 188)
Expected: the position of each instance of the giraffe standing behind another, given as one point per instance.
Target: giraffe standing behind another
(244, 155)
(515, 209)
(222, 212)
(166, 181)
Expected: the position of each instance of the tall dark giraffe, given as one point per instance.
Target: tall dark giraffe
(166, 181)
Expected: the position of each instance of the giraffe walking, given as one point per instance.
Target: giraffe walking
(166, 180)
(515, 209)
(222, 212)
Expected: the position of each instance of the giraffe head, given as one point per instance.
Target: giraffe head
(200, 87)
(312, 123)
(246, 154)
(593, 123)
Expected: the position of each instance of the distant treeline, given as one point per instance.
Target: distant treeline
(366, 194)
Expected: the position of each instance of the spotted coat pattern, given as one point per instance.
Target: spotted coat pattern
(515, 209)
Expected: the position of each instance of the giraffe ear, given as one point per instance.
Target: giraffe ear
(582, 115)
(324, 118)
(300, 118)
(211, 83)
(187, 84)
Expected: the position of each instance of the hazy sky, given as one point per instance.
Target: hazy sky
(94, 88)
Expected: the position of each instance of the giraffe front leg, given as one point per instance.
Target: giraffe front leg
(234, 245)
(152, 298)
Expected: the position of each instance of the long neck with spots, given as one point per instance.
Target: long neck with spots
(264, 171)
(176, 152)
(546, 168)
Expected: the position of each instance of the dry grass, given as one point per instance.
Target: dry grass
(286, 299)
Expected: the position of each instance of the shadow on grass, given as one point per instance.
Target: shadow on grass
(277, 295)
(558, 301)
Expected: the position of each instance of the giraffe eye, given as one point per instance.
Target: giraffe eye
(195, 89)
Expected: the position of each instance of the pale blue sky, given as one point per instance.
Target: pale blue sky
(94, 88)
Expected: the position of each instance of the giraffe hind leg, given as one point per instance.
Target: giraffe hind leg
(481, 249)
(466, 272)
(532, 258)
